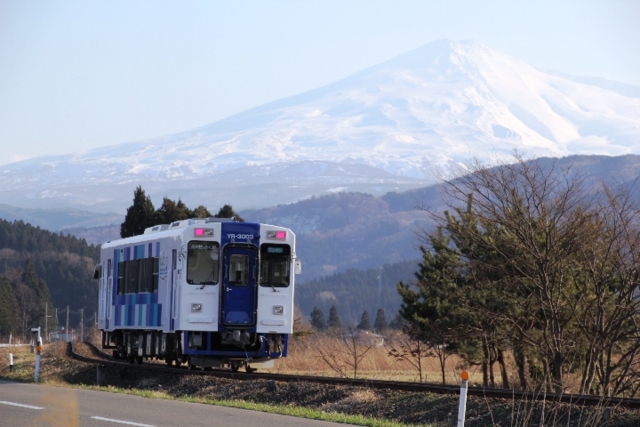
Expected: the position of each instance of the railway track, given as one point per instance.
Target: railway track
(575, 399)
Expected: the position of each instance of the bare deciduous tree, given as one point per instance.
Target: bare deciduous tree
(340, 352)
(412, 350)
(566, 256)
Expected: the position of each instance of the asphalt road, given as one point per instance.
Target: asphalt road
(40, 405)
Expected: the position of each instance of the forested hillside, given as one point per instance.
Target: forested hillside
(343, 231)
(355, 291)
(59, 219)
(347, 230)
(39, 267)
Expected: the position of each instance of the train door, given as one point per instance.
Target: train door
(239, 287)
(173, 269)
(167, 282)
(102, 308)
(109, 292)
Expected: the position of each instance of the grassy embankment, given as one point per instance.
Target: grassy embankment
(55, 367)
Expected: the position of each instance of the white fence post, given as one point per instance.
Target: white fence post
(462, 408)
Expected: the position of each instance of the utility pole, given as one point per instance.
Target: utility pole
(46, 321)
(67, 329)
(82, 324)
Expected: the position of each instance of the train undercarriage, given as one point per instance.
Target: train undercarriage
(232, 349)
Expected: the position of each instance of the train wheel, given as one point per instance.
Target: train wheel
(169, 361)
(249, 369)
(235, 367)
(139, 360)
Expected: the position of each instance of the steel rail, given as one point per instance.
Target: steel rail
(494, 393)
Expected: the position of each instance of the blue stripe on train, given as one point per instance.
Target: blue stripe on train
(141, 310)
(142, 315)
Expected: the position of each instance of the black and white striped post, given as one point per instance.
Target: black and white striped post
(462, 408)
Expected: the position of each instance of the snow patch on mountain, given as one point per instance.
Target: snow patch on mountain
(409, 120)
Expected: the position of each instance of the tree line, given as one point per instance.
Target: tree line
(529, 261)
(39, 271)
(333, 323)
(24, 301)
(22, 237)
(142, 214)
(355, 291)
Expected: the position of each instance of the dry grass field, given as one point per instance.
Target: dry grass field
(324, 355)
(318, 354)
(379, 407)
(308, 356)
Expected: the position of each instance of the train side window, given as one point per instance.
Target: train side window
(275, 265)
(156, 269)
(203, 263)
(137, 276)
(122, 273)
(97, 272)
(148, 275)
(132, 277)
(142, 275)
(174, 259)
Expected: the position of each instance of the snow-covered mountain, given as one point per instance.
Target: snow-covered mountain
(388, 127)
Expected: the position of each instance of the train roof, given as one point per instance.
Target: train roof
(175, 228)
(185, 223)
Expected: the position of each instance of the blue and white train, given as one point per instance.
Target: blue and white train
(206, 292)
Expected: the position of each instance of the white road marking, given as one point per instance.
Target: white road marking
(122, 422)
(4, 402)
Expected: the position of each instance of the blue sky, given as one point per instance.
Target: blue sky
(76, 75)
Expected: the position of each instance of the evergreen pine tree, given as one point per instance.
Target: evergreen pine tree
(436, 303)
(380, 324)
(8, 308)
(140, 215)
(398, 322)
(317, 319)
(39, 295)
(201, 212)
(334, 319)
(171, 211)
(31, 279)
(365, 322)
(227, 212)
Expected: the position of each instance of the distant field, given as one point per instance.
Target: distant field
(306, 358)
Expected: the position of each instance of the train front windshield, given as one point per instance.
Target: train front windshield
(202, 263)
(275, 265)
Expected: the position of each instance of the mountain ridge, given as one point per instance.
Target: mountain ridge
(346, 230)
(406, 120)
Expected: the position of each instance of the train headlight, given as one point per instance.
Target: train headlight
(196, 307)
(277, 235)
(203, 232)
(278, 310)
